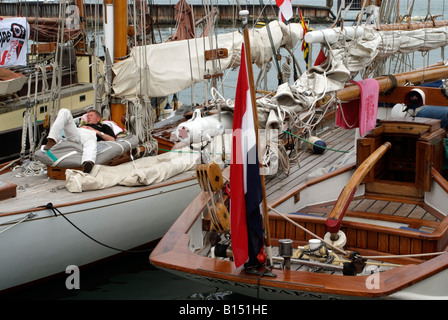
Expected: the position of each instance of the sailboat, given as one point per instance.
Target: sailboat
(370, 224)
(54, 216)
(47, 228)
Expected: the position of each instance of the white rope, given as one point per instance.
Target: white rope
(307, 231)
(33, 168)
(28, 216)
(286, 71)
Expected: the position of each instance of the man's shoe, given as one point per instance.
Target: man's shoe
(87, 166)
(50, 143)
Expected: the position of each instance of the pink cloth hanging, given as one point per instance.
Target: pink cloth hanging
(360, 113)
(347, 115)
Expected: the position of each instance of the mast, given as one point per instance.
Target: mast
(81, 45)
(116, 18)
(244, 16)
(416, 77)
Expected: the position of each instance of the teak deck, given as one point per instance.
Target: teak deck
(338, 139)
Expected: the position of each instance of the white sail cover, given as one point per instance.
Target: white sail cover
(414, 40)
(143, 171)
(166, 68)
(349, 55)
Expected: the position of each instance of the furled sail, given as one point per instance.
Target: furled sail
(356, 48)
(166, 68)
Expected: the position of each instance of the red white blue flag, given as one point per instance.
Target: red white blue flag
(245, 182)
(285, 10)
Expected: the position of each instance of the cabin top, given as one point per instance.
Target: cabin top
(417, 146)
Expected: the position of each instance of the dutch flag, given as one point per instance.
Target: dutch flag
(246, 191)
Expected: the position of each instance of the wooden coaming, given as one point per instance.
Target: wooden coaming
(428, 74)
(363, 236)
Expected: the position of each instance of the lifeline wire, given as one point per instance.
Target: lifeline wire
(28, 216)
(56, 210)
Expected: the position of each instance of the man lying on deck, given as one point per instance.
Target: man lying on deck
(87, 134)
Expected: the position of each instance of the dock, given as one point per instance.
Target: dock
(164, 14)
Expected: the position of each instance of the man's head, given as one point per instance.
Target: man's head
(93, 117)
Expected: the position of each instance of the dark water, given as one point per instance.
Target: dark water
(127, 277)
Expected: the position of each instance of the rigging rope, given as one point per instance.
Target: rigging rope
(28, 216)
(56, 212)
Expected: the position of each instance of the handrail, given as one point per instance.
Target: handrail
(439, 179)
(334, 220)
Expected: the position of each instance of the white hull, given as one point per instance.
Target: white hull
(46, 245)
(8, 87)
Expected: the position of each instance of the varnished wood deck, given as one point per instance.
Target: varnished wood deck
(366, 206)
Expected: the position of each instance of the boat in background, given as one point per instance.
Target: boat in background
(10, 82)
(51, 75)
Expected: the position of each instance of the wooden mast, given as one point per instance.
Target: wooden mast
(244, 16)
(416, 77)
(81, 45)
(117, 109)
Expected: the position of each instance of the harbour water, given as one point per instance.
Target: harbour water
(127, 277)
(131, 276)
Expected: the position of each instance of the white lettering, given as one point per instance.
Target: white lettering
(373, 281)
(72, 22)
(196, 310)
(72, 281)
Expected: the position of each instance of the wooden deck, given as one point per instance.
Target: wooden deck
(400, 225)
(370, 206)
(394, 227)
(38, 190)
(336, 139)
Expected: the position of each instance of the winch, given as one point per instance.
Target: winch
(285, 251)
(316, 250)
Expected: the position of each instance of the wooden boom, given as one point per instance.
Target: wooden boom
(416, 77)
(333, 222)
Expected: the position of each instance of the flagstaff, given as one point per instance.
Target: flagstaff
(244, 17)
